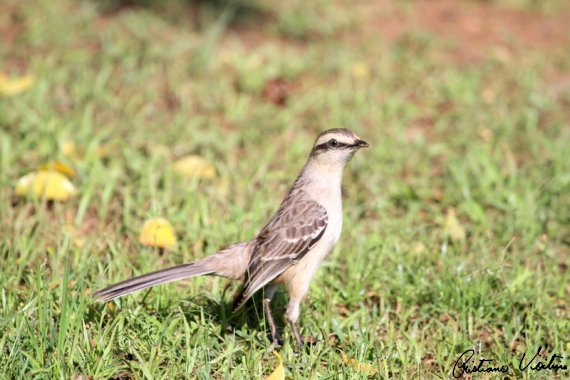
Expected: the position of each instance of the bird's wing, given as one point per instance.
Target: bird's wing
(294, 230)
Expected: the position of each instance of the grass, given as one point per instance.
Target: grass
(134, 87)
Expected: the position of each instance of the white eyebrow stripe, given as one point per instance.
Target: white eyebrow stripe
(341, 139)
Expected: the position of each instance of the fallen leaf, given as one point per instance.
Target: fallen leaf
(276, 91)
(372, 298)
(14, 86)
(452, 228)
(342, 309)
(72, 150)
(68, 148)
(79, 243)
(157, 232)
(360, 70)
(193, 166)
(47, 184)
(279, 372)
(310, 340)
(58, 167)
(365, 368)
(428, 361)
(418, 248)
(333, 337)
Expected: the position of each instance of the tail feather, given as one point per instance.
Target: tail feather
(164, 276)
(230, 262)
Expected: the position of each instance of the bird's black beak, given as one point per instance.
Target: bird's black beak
(360, 144)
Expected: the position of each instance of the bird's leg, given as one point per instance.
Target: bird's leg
(296, 334)
(275, 338)
(292, 314)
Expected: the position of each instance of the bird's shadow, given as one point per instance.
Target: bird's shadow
(251, 316)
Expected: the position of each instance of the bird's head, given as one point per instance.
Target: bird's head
(336, 147)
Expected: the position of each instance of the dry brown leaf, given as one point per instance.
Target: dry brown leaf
(277, 91)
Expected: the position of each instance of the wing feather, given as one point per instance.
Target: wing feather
(297, 226)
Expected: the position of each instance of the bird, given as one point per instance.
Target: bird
(288, 249)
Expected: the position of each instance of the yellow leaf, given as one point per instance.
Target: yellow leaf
(365, 368)
(360, 70)
(79, 243)
(51, 185)
(71, 149)
(68, 148)
(452, 228)
(418, 248)
(15, 86)
(193, 166)
(58, 167)
(279, 372)
(157, 232)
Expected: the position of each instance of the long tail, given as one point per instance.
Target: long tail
(230, 262)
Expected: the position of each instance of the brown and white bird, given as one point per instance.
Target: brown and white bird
(289, 249)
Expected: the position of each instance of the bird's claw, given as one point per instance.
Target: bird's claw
(275, 344)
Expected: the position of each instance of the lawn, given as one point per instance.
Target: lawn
(456, 219)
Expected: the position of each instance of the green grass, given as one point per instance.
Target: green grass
(149, 83)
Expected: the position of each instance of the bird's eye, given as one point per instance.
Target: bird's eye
(333, 143)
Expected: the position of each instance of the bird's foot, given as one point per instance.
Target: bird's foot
(275, 344)
(275, 336)
(276, 340)
(296, 334)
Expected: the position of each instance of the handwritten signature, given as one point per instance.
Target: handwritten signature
(465, 364)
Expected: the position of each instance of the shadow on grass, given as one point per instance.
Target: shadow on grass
(251, 315)
(200, 14)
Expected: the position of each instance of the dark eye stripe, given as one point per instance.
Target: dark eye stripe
(326, 146)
